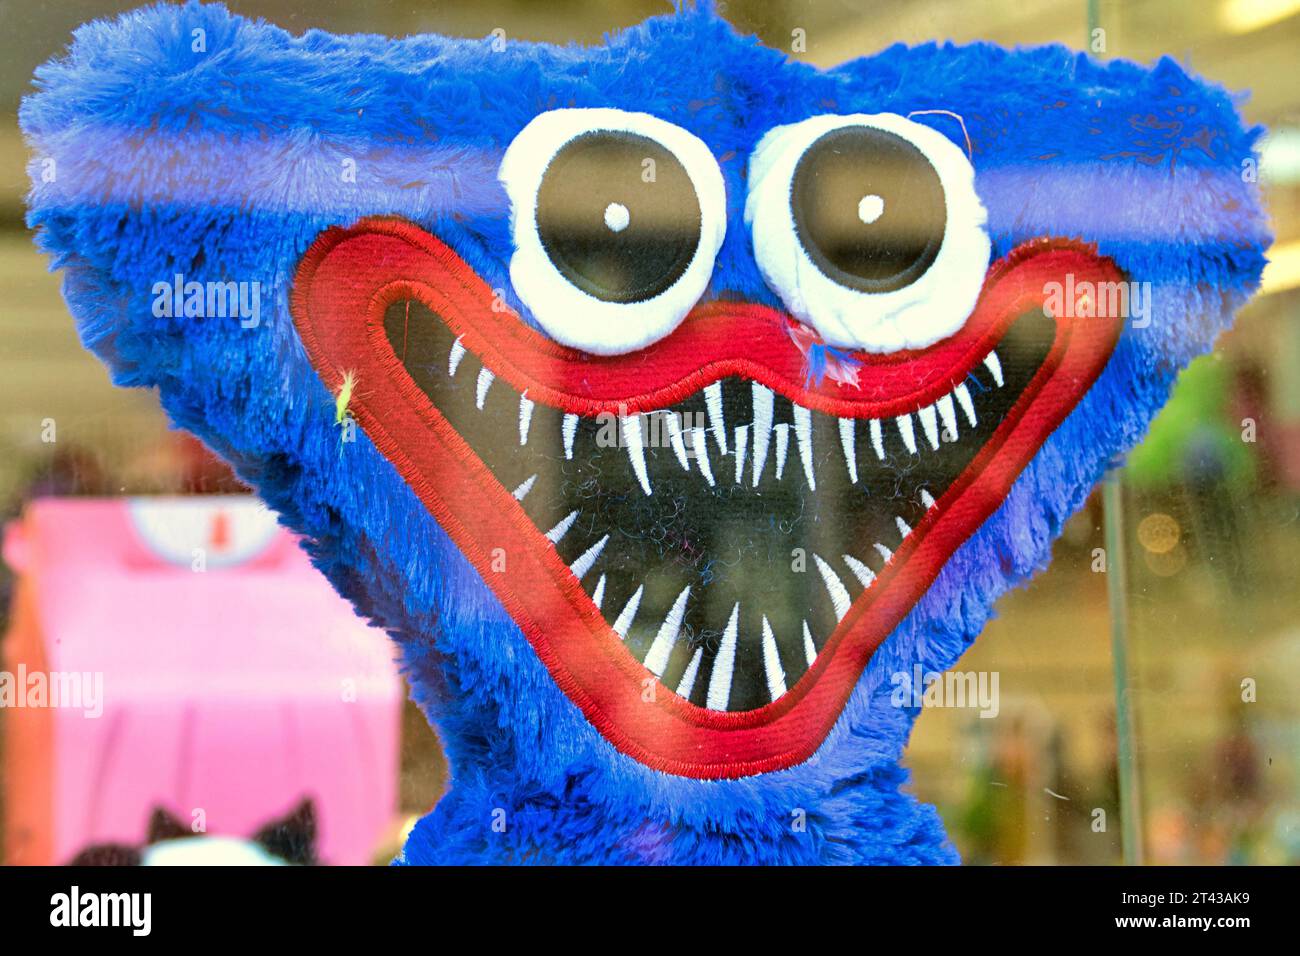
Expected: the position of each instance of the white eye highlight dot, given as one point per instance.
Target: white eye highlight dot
(870, 208)
(616, 217)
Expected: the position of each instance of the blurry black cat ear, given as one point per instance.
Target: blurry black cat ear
(293, 837)
(163, 825)
(107, 854)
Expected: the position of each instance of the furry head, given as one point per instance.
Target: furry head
(662, 398)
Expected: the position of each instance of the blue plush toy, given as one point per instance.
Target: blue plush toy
(665, 399)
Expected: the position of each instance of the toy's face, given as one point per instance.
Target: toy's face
(732, 379)
(705, 511)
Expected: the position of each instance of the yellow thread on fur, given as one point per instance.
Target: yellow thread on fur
(344, 397)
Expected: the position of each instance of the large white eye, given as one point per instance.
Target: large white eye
(617, 218)
(869, 229)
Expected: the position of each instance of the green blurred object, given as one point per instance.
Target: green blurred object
(1194, 423)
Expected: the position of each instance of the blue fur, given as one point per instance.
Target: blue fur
(226, 165)
(818, 356)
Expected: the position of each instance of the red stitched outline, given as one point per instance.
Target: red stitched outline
(570, 636)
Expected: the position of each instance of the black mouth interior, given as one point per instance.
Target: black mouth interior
(725, 588)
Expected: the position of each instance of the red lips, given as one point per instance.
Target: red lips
(350, 276)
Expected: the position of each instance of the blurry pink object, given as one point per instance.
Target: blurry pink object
(234, 680)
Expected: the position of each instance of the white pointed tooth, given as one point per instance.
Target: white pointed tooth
(598, 595)
(927, 499)
(850, 448)
(860, 571)
(561, 529)
(569, 428)
(525, 417)
(453, 359)
(948, 415)
(656, 659)
(742, 442)
(772, 663)
(809, 648)
(929, 424)
(624, 619)
(907, 432)
(632, 440)
(839, 594)
(588, 558)
(803, 435)
(883, 551)
(485, 378)
(994, 365)
(877, 439)
(687, 683)
(674, 428)
(700, 442)
(713, 404)
(762, 428)
(724, 664)
(903, 528)
(525, 486)
(963, 399)
(782, 433)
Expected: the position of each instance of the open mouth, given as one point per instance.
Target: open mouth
(703, 547)
(725, 536)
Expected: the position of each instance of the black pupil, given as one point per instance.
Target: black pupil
(618, 216)
(868, 208)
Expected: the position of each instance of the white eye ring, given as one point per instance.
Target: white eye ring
(932, 306)
(583, 318)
